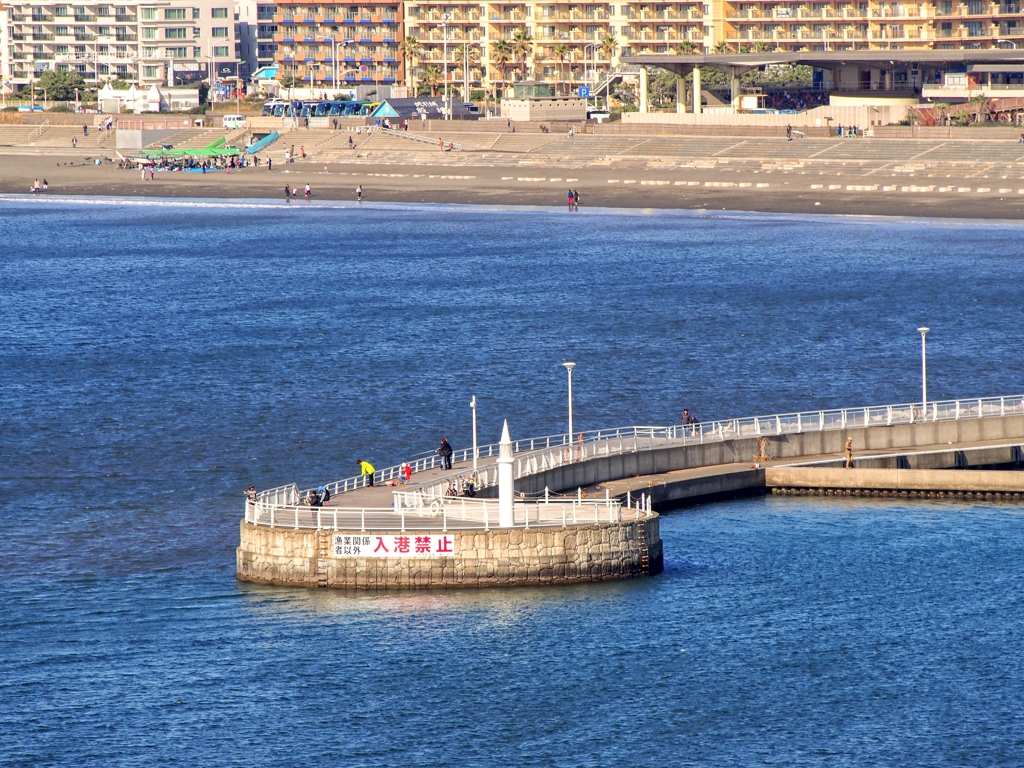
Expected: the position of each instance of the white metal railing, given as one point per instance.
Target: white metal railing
(539, 454)
(449, 514)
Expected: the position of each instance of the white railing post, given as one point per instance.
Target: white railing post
(318, 519)
(1002, 406)
(821, 421)
(272, 516)
(888, 415)
(799, 423)
(958, 410)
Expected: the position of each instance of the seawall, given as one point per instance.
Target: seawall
(498, 557)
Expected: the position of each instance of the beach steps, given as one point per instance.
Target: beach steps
(61, 136)
(16, 135)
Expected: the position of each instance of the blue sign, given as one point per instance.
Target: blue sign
(584, 91)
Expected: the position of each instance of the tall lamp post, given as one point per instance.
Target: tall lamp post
(923, 330)
(444, 29)
(472, 404)
(569, 367)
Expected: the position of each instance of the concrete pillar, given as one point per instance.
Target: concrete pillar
(506, 480)
(696, 91)
(680, 95)
(734, 91)
(643, 90)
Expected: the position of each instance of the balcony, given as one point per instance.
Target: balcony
(42, 37)
(86, 19)
(40, 17)
(123, 37)
(125, 19)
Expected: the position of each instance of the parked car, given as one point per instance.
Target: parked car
(473, 108)
(599, 114)
(234, 121)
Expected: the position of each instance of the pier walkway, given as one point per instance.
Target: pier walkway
(669, 465)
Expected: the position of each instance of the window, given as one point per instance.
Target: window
(176, 53)
(175, 33)
(148, 14)
(149, 33)
(104, 30)
(220, 13)
(60, 31)
(195, 14)
(220, 51)
(220, 31)
(197, 52)
(62, 50)
(151, 72)
(174, 14)
(149, 52)
(197, 32)
(61, 10)
(103, 10)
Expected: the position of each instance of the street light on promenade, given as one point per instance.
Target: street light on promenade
(569, 367)
(472, 404)
(923, 330)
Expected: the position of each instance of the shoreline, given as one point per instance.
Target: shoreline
(626, 187)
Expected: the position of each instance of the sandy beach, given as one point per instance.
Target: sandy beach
(985, 188)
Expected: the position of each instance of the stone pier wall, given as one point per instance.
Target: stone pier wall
(499, 557)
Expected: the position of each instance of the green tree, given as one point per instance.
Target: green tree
(120, 84)
(722, 47)
(941, 109)
(686, 48)
(409, 48)
(431, 77)
(608, 45)
(501, 56)
(522, 48)
(560, 51)
(60, 86)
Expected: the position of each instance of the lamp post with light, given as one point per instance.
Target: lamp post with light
(472, 404)
(568, 367)
(923, 330)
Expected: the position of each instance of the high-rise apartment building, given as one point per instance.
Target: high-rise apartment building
(321, 46)
(155, 43)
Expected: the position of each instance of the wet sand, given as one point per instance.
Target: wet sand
(420, 177)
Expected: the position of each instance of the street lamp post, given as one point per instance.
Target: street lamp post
(472, 404)
(568, 367)
(444, 29)
(923, 330)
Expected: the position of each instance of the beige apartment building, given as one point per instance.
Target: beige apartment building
(572, 40)
(155, 43)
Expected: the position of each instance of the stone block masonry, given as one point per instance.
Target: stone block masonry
(498, 557)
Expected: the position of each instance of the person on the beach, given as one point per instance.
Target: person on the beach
(287, 193)
(325, 168)
(359, 193)
(46, 185)
(35, 187)
(351, 144)
(85, 130)
(789, 133)
(508, 126)
(575, 200)
(444, 450)
(302, 151)
(366, 470)
(570, 197)
(270, 163)
(307, 193)
(74, 143)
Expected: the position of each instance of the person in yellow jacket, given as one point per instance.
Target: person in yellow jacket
(366, 468)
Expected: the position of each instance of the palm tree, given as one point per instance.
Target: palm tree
(722, 47)
(522, 47)
(560, 51)
(942, 108)
(501, 55)
(466, 54)
(431, 76)
(760, 47)
(409, 48)
(686, 48)
(608, 45)
(981, 104)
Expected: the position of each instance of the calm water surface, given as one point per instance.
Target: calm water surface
(155, 358)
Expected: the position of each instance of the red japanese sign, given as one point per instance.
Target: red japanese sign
(394, 545)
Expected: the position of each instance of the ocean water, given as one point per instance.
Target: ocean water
(158, 356)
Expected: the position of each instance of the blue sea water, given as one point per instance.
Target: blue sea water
(158, 356)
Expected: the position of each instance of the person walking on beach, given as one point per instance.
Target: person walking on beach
(74, 143)
(351, 144)
(849, 453)
(270, 163)
(571, 198)
(46, 185)
(444, 450)
(287, 193)
(35, 187)
(85, 130)
(307, 193)
(366, 470)
(789, 133)
(575, 200)
(359, 193)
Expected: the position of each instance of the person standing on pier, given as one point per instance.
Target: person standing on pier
(849, 453)
(689, 421)
(366, 470)
(445, 451)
